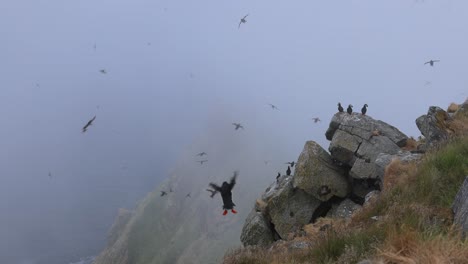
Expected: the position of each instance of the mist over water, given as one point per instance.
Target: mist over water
(177, 71)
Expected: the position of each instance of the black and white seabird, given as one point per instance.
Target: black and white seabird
(340, 108)
(188, 195)
(226, 193)
(201, 154)
(278, 176)
(350, 109)
(288, 171)
(364, 109)
(291, 163)
(103, 71)
(431, 62)
(90, 122)
(163, 193)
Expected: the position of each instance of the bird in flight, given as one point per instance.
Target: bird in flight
(431, 62)
(273, 106)
(201, 154)
(238, 125)
(212, 192)
(291, 163)
(243, 20)
(316, 119)
(103, 71)
(188, 195)
(163, 193)
(90, 122)
(202, 161)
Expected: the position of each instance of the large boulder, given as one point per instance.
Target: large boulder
(343, 210)
(290, 208)
(384, 159)
(433, 125)
(359, 136)
(460, 208)
(317, 175)
(256, 230)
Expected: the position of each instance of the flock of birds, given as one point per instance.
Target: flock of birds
(226, 188)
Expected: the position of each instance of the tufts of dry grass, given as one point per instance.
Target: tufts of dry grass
(411, 247)
(398, 172)
(411, 144)
(453, 107)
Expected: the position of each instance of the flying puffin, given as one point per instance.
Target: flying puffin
(237, 126)
(226, 193)
(90, 122)
(340, 108)
(242, 21)
(350, 109)
(364, 109)
(431, 62)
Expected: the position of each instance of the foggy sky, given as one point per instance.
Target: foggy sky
(170, 65)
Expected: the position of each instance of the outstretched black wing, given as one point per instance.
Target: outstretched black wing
(233, 180)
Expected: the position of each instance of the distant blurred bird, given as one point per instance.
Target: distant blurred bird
(163, 193)
(212, 192)
(316, 119)
(188, 195)
(226, 193)
(238, 125)
(340, 108)
(427, 83)
(364, 109)
(201, 154)
(103, 71)
(202, 161)
(431, 62)
(291, 163)
(242, 20)
(350, 109)
(273, 106)
(266, 162)
(50, 175)
(288, 171)
(277, 177)
(90, 122)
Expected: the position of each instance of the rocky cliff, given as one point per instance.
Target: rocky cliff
(339, 182)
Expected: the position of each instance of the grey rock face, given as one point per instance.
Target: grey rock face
(317, 175)
(363, 170)
(256, 230)
(357, 140)
(460, 207)
(433, 125)
(363, 126)
(290, 209)
(344, 210)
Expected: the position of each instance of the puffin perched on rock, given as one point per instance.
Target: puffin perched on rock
(364, 109)
(288, 171)
(350, 109)
(340, 108)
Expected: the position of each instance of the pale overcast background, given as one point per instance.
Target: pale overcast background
(170, 66)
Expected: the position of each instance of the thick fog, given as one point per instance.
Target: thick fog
(167, 67)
